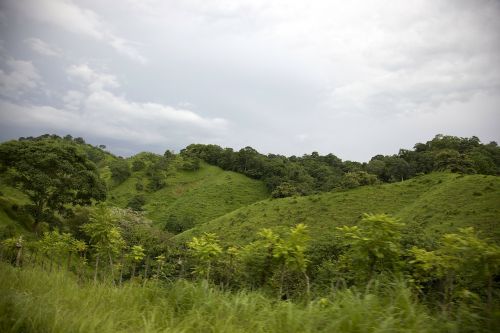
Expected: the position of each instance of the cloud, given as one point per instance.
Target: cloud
(99, 112)
(67, 15)
(19, 78)
(354, 78)
(42, 47)
(94, 80)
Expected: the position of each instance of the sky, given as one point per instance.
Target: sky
(353, 78)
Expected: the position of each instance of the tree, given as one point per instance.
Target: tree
(373, 246)
(205, 250)
(291, 254)
(120, 170)
(136, 202)
(258, 259)
(461, 259)
(138, 164)
(105, 236)
(284, 190)
(136, 255)
(54, 175)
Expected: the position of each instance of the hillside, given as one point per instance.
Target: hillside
(190, 197)
(51, 230)
(434, 203)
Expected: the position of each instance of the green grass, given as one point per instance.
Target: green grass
(12, 221)
(200, 195)
(430, 204)
(32, 300)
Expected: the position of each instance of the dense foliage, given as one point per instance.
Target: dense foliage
(288, 176)
(270, 266)
(53, 173)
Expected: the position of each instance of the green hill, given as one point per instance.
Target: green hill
(189, 197)
(435, 203)
(12, 221)
(186, 198)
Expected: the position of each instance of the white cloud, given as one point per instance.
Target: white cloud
(42, 47)
(292, 76)
(20, 78)
(100, 112)
(67, 15)
(73, 100)
(94, 80)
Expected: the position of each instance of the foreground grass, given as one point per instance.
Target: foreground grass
(32, 300)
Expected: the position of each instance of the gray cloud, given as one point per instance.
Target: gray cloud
(66, 15)
(18, 78)
(354, 78)
(42, 47)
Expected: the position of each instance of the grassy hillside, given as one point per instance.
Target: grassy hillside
(432, 203)
(190, 197)
(12, 221)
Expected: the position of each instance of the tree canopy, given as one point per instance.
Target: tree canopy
(54, 174)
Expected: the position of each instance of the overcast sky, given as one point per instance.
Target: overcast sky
(353, 78)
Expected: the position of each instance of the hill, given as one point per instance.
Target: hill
(188, 197)
(429, 206)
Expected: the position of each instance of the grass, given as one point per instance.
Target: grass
(200, 195)
(33, 300)
(12, 221)
(431, 204)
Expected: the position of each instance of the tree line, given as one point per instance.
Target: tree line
(310, 173)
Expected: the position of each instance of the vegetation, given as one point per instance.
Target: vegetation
(428, 205)
(52, 174)
(181, 245)
(288, 176)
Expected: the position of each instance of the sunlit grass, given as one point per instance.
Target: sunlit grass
(434, 204)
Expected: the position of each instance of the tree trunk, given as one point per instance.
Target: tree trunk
(282, 278)
(146, 269)
(267, 266)
(19, 256)
(96, 268)
(111, 267)
(308, 288)
(37, 215)
(69, 261)
(121, 268)
(208, 270)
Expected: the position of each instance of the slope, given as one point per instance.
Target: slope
(190, 197)
(431, 204)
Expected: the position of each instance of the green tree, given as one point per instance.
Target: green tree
(105, 236)
(136, 255)
(54, 175)
(373, 246)
(205, 250)
(258, 258)
(290, 253)
(120, 170)
(284, 190)
(461, 260)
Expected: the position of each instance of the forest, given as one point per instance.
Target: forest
(212, 239)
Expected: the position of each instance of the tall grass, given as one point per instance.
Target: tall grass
(33, 300)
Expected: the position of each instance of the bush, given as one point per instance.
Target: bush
(136, 202)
